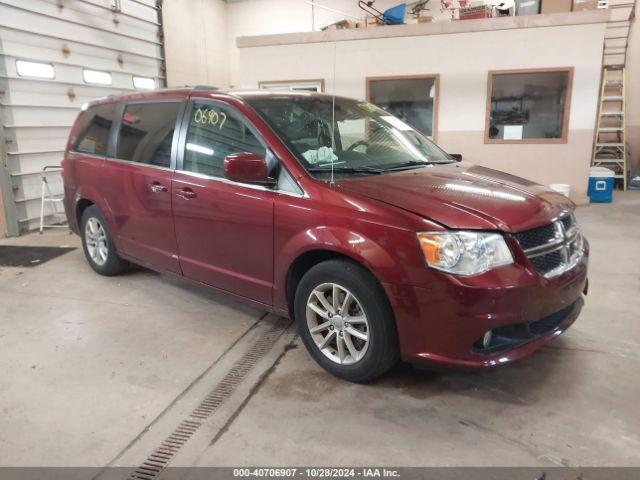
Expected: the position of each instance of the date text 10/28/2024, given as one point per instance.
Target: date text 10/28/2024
(315, 472)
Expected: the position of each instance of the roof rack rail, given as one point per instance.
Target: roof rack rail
(205, 88)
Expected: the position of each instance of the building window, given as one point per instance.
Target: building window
(97, 77)
(414, 99)
(293, 86)
(34, 69)
(528, 106)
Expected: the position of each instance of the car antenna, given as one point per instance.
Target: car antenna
(333, 115)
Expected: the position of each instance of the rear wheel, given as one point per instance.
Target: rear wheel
(98, 246)
(345, 321)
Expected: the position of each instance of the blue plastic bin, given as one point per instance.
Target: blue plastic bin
(601, 184)
(395, 15)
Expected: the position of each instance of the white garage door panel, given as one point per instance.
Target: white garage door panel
(36, 114)
(94, 15)
(60, 28)
(110, 63)
(41, 47)
(65, 80)
(56, 100)
(47, 140)
(35, 161)
(61, 88)
(44, 116)
(142, 9)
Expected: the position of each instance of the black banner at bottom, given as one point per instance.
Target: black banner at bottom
(327, 473)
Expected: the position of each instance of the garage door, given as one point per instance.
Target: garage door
(55, 55)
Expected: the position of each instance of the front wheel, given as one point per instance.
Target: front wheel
(345, 321)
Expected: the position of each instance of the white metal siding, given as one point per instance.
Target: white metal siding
(122, 37)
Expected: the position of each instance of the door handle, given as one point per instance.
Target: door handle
(186, 193)
(157, 187)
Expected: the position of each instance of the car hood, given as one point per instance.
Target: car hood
(463, 195)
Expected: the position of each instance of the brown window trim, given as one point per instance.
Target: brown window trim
(567, 106)
(436, 98)
(305, 80)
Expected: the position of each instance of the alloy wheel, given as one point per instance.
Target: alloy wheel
(337, 323)
(95, 238)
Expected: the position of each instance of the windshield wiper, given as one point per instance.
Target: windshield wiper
(346, 170)
(413, 164)
(407, 165)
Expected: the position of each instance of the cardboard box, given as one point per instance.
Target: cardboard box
(527, 7)
(417, 20)
(340, 25)
(472, 13)
(581, 5)
(556, 6)
(371, 21)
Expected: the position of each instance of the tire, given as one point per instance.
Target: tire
(97, 243)
(361, 361)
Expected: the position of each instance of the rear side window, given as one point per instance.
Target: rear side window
(146, 133)
(93, 129)
(216, 131)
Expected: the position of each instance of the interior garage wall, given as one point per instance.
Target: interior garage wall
(120, 37)
(196, 42)
(633, 96)
(463, 61)
(263, 17)
(200, 35)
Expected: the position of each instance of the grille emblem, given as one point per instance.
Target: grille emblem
(554, 248)
(561, 234)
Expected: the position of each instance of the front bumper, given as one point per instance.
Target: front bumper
(441, 324)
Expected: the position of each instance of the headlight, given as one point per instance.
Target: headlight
(464, 253)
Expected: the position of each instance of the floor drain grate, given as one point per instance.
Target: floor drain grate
(155, 463)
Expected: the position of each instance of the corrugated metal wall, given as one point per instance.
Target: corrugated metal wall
(122, 37)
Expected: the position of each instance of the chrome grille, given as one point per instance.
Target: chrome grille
(554, 248)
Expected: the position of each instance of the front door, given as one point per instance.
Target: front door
(139, 184)
(224, 229)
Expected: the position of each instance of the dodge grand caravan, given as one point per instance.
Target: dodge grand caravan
(379, 244)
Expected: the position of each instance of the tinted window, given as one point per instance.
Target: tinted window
(93, 129)
(146, 133)
(214, 132)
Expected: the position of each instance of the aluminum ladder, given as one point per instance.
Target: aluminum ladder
(617, 28)
(610, 147)
(48, 197)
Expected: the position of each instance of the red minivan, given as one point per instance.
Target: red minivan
(331, 211)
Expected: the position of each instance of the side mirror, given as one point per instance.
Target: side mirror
(247, 167)
(456, 156)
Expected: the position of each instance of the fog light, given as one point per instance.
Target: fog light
(486, 340)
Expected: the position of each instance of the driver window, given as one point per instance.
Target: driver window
(214, 132)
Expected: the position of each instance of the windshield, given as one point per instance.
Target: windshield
(366, 139)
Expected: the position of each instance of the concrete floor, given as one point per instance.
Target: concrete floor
(97, 371)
